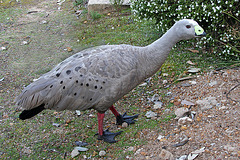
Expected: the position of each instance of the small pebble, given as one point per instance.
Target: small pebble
(74, 153)
(44, 22)
(150, 114)
(165, 81)
(130, 148)
(102, 153)
(165, 74)
(124, 125)
(24, 42)
(169, 93)
(3, 48)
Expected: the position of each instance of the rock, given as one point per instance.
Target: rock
(26, 150)
(157, 105)
(207, 103)
(1, 79)
(78, 112)
(166, 155)
(150, 114)
(102, 153)
(138, 151)
(3, 48)
(44, 22)
(213, 83)
(81, 149)
(185, 85)
(229, 148)
(74, 153)
(59, 2)
(184, 157)
(131, 149)
(155, 97)
(183, 142)
(180, 112)
(169, 93)
(24, 42)
(165, 81)
(192, 82)
(124, 125)
(56, 124)
(188, 103)
(160, 137)
(195, 153)
(164, 74)
(222, 108)
(184, 121)
(194, 70)
(143, 84)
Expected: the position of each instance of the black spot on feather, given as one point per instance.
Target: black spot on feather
(58, 74)
(77, 68)
(68, 72)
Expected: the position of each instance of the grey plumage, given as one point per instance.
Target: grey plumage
(96, 78)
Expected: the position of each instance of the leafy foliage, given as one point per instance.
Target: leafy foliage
(95, 15)
(221, 20)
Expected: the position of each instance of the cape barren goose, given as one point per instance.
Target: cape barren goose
(96, 78)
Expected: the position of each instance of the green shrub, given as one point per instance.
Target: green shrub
(220, 19)
(95, 15)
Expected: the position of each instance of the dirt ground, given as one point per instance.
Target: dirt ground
(215, 126)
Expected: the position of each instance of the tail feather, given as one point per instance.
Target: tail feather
(30, 113)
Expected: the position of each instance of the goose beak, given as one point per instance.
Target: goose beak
(199, 32)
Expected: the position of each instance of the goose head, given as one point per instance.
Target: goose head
(188, 29)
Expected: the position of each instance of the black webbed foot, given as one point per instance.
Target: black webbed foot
(125, 118)
(108, 136)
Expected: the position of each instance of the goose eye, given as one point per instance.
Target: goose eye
(188, 26)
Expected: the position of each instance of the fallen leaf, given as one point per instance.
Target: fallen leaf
(183, 128)
(68, 121)
(190, 62)
(69, 49)
(193, 50)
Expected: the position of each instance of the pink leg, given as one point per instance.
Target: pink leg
(100, 123)
(114, 111)
(105, 135)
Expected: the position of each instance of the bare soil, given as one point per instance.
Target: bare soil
(217, 129)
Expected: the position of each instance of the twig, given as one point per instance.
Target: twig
(232, 90)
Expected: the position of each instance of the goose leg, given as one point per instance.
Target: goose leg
(123, 118)
(105, 135)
